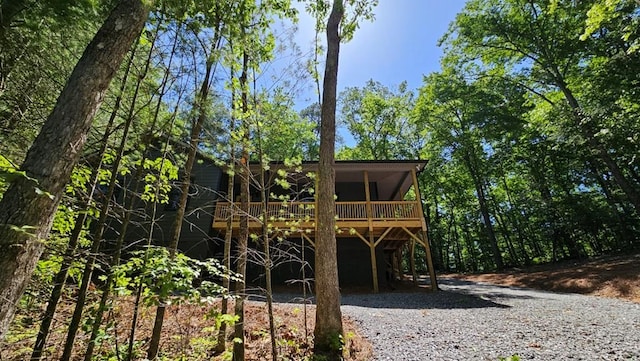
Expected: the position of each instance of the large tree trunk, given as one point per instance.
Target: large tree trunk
(61, 277)
(55, 152)
(620, 178)
(328, 327)
(484, 210)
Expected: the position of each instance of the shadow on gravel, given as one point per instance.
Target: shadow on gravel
(452, 294)
(490, 290)
(429, 300)
(401, 300)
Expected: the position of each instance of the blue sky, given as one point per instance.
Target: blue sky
(401, 44)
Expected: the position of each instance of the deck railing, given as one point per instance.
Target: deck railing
(305, 211)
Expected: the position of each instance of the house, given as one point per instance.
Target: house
(374, 220)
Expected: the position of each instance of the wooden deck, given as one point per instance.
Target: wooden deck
(389, 222)
(387, 225)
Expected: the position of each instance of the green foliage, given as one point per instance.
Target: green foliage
(8, 172)
(40, 42)
(380, 121)
(160, 173)
(281, 133)
(355, 12)
(519, 116)
(167, 278)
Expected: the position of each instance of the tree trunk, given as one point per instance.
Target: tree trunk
(515, 219)
(97, 237)
(582, 123)
(222, 332)
(184, 197)
(264, 194)
(328, 328)
(97, 320)
(436, 234)
(154, 211)
(55, 152)
(484, 210)
(228, 237)
(243, 236)
(67, 260)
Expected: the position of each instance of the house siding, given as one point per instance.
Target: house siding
(195, 236)
(354, 266)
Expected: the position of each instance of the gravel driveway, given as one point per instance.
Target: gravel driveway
(476, 321)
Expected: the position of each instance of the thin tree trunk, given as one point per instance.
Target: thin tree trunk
(460, 267)
(436, 234)
(264, 195)
(222, 333)
(484, 210)
(228, 237)
(473, 257)
(106, 292)
(163, 87)
(55, 152)
(516, 223)
(618, 175)
(328, 328)
(97, 320)
(154, 344)
(243, 236)
(154, 210)
(624, 237)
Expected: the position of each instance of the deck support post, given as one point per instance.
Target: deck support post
(372, 241)
(427, 250)
(424, 240)
(395, 264)
(412, 261)
(305, 237)
(374, 265)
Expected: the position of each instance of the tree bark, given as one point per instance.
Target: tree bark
(328, 328)
(115, 261)
(98, 235)
(484, 209)
(61, 277)
(243, 233)
(228, 237)
(55, 152)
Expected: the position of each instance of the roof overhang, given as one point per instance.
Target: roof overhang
(392, 177)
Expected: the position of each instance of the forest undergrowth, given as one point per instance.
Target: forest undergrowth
(190, 333)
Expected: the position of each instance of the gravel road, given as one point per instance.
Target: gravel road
(476, 321)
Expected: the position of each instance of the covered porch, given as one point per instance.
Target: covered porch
(392, 225)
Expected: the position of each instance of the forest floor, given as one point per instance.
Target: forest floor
(605, 276)
(189, 331)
